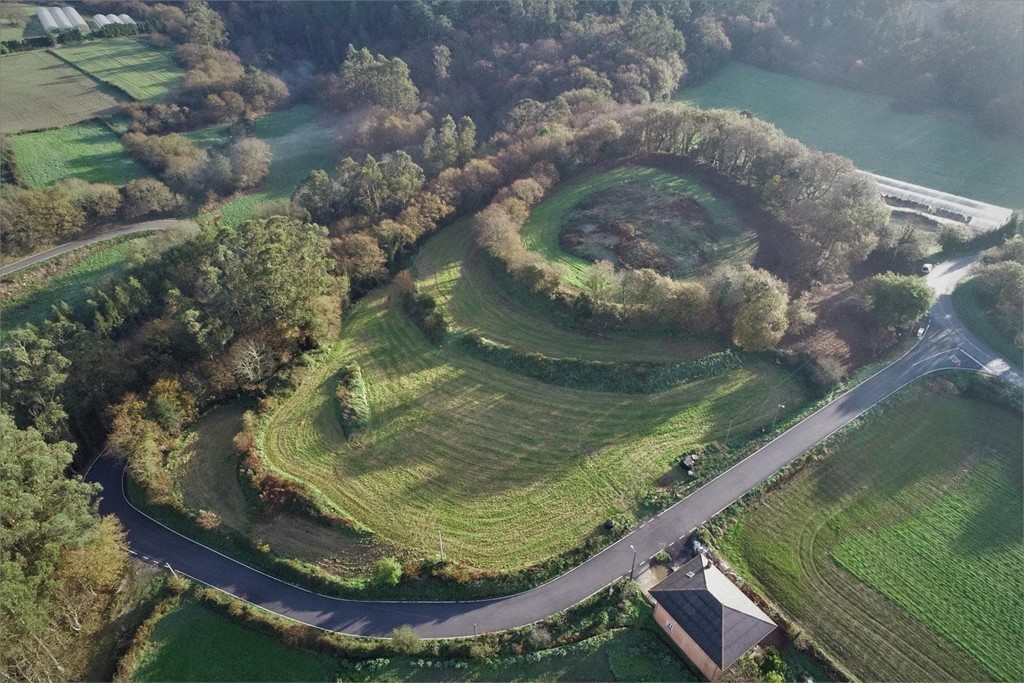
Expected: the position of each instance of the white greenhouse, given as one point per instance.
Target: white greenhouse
(75, 18)
(63, 23)
(125, 19)
(113, 19)
(46, 19)
(100, 20)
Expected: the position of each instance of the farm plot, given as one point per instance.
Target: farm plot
(478, 298)
(143, 72)
(941, 149)
(512, 470)
(41, 92)
(300, 144)
(638, 217)
(87, 150)
(901, 551)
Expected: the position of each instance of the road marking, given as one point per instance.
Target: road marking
(927, 358)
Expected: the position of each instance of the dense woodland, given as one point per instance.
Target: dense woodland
(454, 109)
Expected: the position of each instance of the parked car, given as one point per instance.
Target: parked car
(926, 268)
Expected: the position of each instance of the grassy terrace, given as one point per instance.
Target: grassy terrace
(549, 218)
(978, 314)
(901, 551)
(512, 470)
(87, 150)
(143, 72)
(942, 149)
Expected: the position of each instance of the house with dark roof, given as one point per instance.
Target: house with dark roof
(708, 617)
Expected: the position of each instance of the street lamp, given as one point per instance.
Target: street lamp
(775, 419)
(632, 567)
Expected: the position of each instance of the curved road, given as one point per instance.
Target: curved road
(945, 345)
(148, 226)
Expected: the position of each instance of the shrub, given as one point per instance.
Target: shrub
(662, 556)
(405, 640)
(387, 571)
(352, 402)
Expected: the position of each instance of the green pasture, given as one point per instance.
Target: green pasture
(480, 298)
(941, 149)
(41, 92)
(510, 469)
(550, 217)
(300, 144)
(195, 643)
(980, 317)
(144, 72)
(26, 24)
(102, 262)
(901, 550)
(87, 150)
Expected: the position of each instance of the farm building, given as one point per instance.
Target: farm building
(708, 617)
(46, 19)
(114, 19)
(125, 19)
(75, 18)
(100, 20)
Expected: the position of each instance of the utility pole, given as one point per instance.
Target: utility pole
(632, 567)
(775, 419)
(729, 431)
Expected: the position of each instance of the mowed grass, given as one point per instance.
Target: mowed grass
(144, 72)
(87, 150)
(194, 643)
(207, 476)
(40, 92)
(923, 506)
(27, 24)
(942, 149)
(511, 470)
(546, 221)
(979, 315)
(451, 268)
(300, 143)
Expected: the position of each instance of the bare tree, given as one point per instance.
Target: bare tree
(251, 360)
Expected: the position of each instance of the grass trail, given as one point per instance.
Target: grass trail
(930, 485)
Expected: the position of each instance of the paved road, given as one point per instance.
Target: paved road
(945, 345)
(148, 226)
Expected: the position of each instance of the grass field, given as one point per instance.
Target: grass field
(550, 217)
(194, 643)
(142, 71)
(452, 269)
(923, 507)
(27, 25)
(978, 315)
(71, 275)
(300, 144)
(87, 150)
(510, 469)
(40, 92)
(940, 149)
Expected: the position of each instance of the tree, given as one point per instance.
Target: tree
(898, 300)
(33, 218)
(147, 196)
(361, 258)
(405, 640)
(761, 317)
(368, 80)
(32, 381)
(442, 62)
(250, 162)
(45, 513)
(318, 195)
(251, 361)
(204, 26)
(600, 281)
(387, 571)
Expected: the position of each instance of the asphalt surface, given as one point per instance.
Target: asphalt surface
(946, 344)
(148, 226)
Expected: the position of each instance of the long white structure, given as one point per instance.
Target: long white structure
(62, 21)
(75, 18)
(939, 205)
(46, 19)
(125, 19)
(100, 20)
(113, 19)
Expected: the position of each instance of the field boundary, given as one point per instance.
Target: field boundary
(81, 70)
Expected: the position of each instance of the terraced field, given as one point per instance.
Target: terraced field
(142, 71)
(41, 92)
(901, 551)
(87, 150)
(547, 220)
(512, 470)
(480, 299)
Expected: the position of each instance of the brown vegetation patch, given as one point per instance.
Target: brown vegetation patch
(332, 549)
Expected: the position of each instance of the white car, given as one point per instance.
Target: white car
(926, 268)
